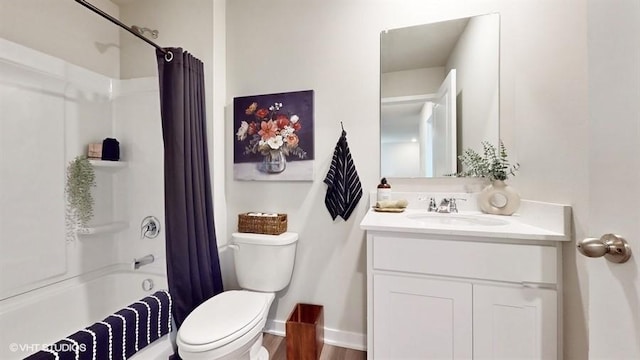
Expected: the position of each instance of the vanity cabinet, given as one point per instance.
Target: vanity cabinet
(456, 297)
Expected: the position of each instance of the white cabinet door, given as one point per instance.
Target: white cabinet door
(514, 322)
(418, 318)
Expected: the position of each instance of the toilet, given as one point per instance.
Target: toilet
(229, 325)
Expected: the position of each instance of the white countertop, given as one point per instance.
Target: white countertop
(516, 227)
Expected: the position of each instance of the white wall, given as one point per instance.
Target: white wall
(411, 82)
(475, 57)
(66, 30)
(333, 48)
(400, 159)
(187, 24)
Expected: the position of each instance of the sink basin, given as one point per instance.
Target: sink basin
(456, 219)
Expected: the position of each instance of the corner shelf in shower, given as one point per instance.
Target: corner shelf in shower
(108, 228)
(106, 165)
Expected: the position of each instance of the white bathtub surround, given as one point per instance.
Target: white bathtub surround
(68, 107)
(140, 187)
(48, 314)
(50, 111)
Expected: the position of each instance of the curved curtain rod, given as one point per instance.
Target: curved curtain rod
(168, 55)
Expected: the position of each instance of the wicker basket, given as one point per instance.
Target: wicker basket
(270, 225)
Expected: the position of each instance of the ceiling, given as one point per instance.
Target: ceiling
(122, 2)
(421, 46)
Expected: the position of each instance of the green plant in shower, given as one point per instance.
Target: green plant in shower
(492, 164)
(80, 179)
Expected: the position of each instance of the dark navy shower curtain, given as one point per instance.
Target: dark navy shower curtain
(193, 265)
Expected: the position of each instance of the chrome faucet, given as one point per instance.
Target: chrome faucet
(447, 205)
(453, 206)
(145, 260)
(432, 205)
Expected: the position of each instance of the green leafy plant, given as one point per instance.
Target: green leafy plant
(492, 164)
(80, 179)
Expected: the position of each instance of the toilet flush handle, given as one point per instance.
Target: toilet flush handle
(234, 247)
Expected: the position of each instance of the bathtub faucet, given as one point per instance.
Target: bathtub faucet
(145, 260)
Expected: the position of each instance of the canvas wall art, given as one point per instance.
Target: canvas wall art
(273, 137)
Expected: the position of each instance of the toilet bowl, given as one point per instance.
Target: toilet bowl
(229, 325)
(225, 327)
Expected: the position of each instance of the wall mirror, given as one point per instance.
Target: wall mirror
(439, 89)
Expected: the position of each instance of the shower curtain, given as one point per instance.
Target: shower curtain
(193, 265)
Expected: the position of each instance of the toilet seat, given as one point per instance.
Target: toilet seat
(223, 319)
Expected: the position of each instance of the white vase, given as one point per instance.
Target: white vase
(498, 198)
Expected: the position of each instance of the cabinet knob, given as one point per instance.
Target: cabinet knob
(613, 247)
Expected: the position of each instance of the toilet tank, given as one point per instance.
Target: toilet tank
(264, 262)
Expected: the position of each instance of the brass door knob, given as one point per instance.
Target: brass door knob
(613, 247)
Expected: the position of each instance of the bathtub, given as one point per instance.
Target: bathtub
(45, 315)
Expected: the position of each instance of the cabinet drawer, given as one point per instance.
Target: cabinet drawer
(480, 260)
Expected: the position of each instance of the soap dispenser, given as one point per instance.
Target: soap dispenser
(384, 190)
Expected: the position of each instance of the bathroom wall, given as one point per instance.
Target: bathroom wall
(475, 57)
(333, 47)
(186, 24)
(66, 30)
(409, 152)
(411, 82)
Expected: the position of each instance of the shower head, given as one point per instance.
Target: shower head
(142, 30)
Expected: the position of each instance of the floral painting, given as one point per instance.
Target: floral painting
(273, 136)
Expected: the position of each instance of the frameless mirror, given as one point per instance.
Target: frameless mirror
(439, 94)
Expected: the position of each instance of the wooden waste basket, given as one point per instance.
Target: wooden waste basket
(305, 332)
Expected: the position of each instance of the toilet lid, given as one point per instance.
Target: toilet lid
(223, 318)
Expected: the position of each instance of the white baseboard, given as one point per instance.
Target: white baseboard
(345, 339)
